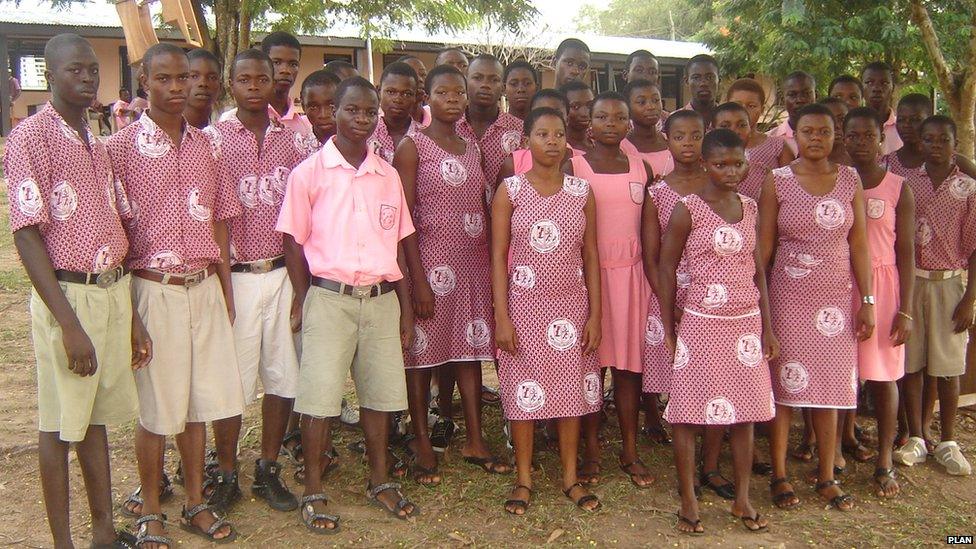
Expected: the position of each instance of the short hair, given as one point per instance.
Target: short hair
(701, 58)
(938, 119)
(354, 82)
(638, 84)
(550, 93)
(441, 70)
(570, 43)
(204, 53)
(280, 38)
(399, 68)
(813, 109)
(442, 51)
(337, 65)
(846, 79)
(54, 48)
(728, 106)
(407, 57)
(124, 90)
(161, 48)
(747, 85)
(521, 64)
(721, 138)
(636, 55)
(251, 54)
(916, 100)
(320, 77)
(486, 57)
(537, 113)
(866, 113)
(878, 66)
(611, 96)
(833, 101)
(800, 75)
(683, 114)
(573, 85)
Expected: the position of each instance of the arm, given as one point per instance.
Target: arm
(406, 160)
(966, 165)
(222, 236)
(591, 268)
(675, 238)
(901, 329)
(650, 241)
(962, 316)
(501, 238)
(298, 274)
(407, 332)
(769, 341)
(650, 176)
(786, 156)
(768, 212)
(507, 170)
(857, 240)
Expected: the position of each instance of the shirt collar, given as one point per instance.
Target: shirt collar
(189, 131)
(289, 114)
(892, 118)
(332, 158)
(69, 131)
(274, 124)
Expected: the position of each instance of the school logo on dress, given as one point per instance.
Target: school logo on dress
(544, 236)
(513, 185)
(489, 195)
(794, 377)
(653, 331)
(247, 190)
(829, 213)
(523, 278)
(453, 172)
(103, 259)
(529, 396)
(306, 145)
(122, 203)
(64, 201)
(749, 349)
(796, 272)
(279, 181)
(197, 210)
(29, 200)
(266, 190)
(477, 334)
(474, 224)
(681, 355)
(591, 389)
(510, 141)
(150, 145)
(683, 278)
(830, 321)
(419, 341)
(387, 216)
(715, 296)
(961, 188)
(808, 260)
(561, 334)
(923, 231)
(442, 280)
(727, 240)
(164, 260)
(719, 411)
(876, 208)
(215, 140)
(637, 192)
(575, 186)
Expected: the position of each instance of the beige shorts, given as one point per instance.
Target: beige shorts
(934, 345)
(193, 376)
(341, 332)
(66, 402)
(265, 343)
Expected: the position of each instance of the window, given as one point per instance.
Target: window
(27, 65)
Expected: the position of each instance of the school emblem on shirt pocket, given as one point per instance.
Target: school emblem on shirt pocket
(453, 172)
(719, 411)
(197, 210)
(961, 187)
(387, 216)
(511, 140)
(247, 190)
(474, 224)
(561, 334)
(829, 214)
(150, 145)
(876, 208)
(29, 200)
(529, 396)
(637, 192)
(64, 201)
(591, 389)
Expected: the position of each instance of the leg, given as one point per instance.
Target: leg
(468, 376)
(275, 411)
(825, 427)
(191, 443)
(227, 432)
(948, 406)
(149, 457)
(445, 390)
(590, 471)
(97, 472)
(912, 386)
(53, 456)
(522, 439)
(741, 441)
(885, 394)
(711, 476)
(418, 385)
(569, 435)
(222, 489)
(626, 395)
(929, 394)
(902, 436)
(376, 426)
(313, 435)
(804, 451)
(779, 438)
(684, 462)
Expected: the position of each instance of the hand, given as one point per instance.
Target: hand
(80, 351)
(670, 340)
(865, 322)
(770, 345)
(962, 317)
(407, 330)
(901, 330)
(141, 344)
(423, 299)
(505, 337)
(231, 311)
(592, 334)
(297, 302)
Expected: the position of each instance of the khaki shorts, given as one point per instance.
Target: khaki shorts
(934, 346)
(66, 402)
(193, 375)
(341, 332)
(265, 343)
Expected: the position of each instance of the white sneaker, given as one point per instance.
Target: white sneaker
(948, 455)
(912, 452)
(349, 415)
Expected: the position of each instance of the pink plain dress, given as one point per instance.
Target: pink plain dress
(762, 159)
(811, 294)
(719, 374)
(548, 376)
(878, 360)
(522, 159)
(619, 199)
(660, 161)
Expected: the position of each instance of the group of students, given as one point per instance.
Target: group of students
(416, 228)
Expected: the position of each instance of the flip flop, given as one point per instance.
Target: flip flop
(488, 464)
(522, 504)
(755, 521)
(695, 525)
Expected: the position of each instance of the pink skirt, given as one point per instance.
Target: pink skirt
(656, 376)
(625, 293)
(878, 360)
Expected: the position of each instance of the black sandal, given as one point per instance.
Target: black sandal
(881, 475)
(522, 504)
(724, 491)
(295, 452)
(779, 500)
(143, 536)
(333, 457)
(583, 500)
(695, 525)
(373, 492)
(625, 467)
(165, 494)
(755, 521)
(589, 479)
(488, 464)
(657, 434)
(761, 468)
(123, 540)
(309, 515)
(837, 501)
(186, 524)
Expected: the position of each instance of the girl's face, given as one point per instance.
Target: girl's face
(862, 137)
(909, 118)
(572, 65)
(645, 106)
(815, 136)
(736, 121)
(938, 143)
(520, 86)
(840, 111)
(547, 141)
(848, 92)
(645, 68)
(752, 103)
(609, 122)
(685, 140)
(580, 106)
(448, 98)
(726, 167)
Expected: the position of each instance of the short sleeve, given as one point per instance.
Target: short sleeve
(969, 228)
(226, 204)
(406, 220)
(28, 175)
(295, 217)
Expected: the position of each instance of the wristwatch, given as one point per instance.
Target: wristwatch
(868, 300)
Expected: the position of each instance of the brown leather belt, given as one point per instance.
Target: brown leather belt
(103, 279)
(260, 266)
(188, 280)
(362, 292)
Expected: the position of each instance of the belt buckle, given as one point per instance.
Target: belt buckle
(192, 280)
(261, 267)
(107, 278)
(362, 292)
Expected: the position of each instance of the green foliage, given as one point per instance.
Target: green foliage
(646, 18)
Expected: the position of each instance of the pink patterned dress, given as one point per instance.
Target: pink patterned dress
(382, 142)
(548, 376)
(811, 294)
(657, 360)
(450, 217)
(720, 376)
(893, 164)
(762, 158)
(661, 162)
(624, 288)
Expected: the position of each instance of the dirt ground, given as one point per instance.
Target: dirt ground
(466, 509)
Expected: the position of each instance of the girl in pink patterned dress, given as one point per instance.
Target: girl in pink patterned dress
(645, 140)
(618, 181)
(547, 305)
(445, 189)
(720, 378)
(891, 235)
(764, 152)
(812, 219)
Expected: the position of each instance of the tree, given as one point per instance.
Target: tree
(663, 19)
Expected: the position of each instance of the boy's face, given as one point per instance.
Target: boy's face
(572, 66)
(580, 105)
(455, 59)
(877, 89)
(251, 85)
(356, 114)
(726, 166)
(938, 143)
(285, 60)
(609, 122)
(685, 140)
(798, 92)
(547, 140)
(643, 68)
(485, 84)
(418, 66)
(752, 103)
(398, 95)
(702, 79)
(167, 81)
(125, 96)
(645, 106)
(204, 84)
(74, 76)
(736, 121)
(848, 92)
(908, 119)
(318, 103)
(519, 88)
(862, 137)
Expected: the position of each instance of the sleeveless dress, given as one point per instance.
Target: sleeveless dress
(893, 164)
(878, 360)
(624, 288)
(548, 376)
(450, 218)
(719, 375)
(762, 159)
(811, 294)
(657, 359)
(660, 161)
